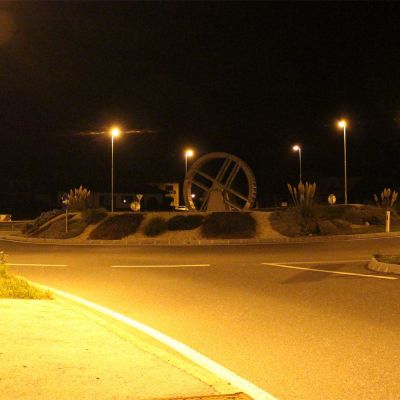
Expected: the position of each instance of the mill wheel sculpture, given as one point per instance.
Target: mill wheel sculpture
(219, 182)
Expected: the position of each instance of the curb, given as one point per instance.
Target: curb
(379, 266)
(201, 242)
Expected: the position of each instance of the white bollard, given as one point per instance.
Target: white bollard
(387, 221)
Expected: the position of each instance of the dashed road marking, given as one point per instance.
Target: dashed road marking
(326, 271)
(36, 265)
(161, 266)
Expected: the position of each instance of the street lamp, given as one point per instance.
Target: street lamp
(114, 133)
(188, 153)
(343, 124)
(298, 148)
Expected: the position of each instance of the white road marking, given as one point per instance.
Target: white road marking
(321, 262)
(330, 271)
(220, 371)
(36, 265)
(161, 266)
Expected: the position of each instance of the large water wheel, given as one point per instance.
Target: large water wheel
(219, 182)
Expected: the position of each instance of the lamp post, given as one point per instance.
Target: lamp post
(298, 148)
(188, 153)
(114, 133)
(343, 124)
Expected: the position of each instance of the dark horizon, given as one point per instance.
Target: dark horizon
(251, 79)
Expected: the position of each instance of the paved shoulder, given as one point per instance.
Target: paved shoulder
(52, 349)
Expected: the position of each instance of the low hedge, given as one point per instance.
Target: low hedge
(94, 215)
(56, 230)
(117, 227)
(185, 222)
(44, 217)
(155, 227)
(229, 225)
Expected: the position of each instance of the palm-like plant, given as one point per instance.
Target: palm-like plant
(387, 199)
(78, 198)
(303, 195)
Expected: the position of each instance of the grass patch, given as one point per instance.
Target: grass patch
(229, 225)
(117, 227)
(14, 287)
(185, 222)
(155, 227)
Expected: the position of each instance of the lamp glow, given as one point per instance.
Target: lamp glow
(115, 132)
(189, 153)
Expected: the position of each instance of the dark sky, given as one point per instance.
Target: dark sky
(248, 78)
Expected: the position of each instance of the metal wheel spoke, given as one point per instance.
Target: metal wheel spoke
(236, 193)
(232, 175)
(200, 185)
(237, 208)
(208, 177)
(205, 202)
(223, 169)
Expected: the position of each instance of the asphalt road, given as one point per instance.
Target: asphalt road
(266, 312)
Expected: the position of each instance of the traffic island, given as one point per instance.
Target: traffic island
(388, 264)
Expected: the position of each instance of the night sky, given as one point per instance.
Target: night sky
(252, 79)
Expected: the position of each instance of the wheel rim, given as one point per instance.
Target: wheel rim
(223, 172)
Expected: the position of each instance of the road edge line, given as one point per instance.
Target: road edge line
(330, 271)
(201, 360)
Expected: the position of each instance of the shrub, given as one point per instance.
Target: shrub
(326, 227)
(293, 222)
(156, 226)
(43, 218)
(94, 215)
(229, 225)
(117, 227)
(286, 222)
(184, 222)
(344, 227)
(363, 214)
